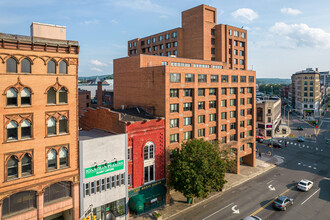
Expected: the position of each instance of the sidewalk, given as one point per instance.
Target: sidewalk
(280, 134)
(179, 204)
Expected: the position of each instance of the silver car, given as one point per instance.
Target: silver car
(252, 217)
(282, 202)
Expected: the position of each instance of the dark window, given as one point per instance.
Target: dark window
(63, 154)
(214, 78)
(19, 202)
(12, 167)
(187, 92)
(212, 32)
(63, 67)
(25, 129)
(26, 165)
(201, 77)
(26, 97)
(174, 93)
(201, 92)
(224, 78)
(212, 50)
(212, 91)
(234, 79)
(51, 96)
(52, 159)
(51, 126)
(251, 79)
(11, 97)
(63, 95)
(12, 131)
(26, 66)
(212, 104)
(57, 191)
(63, 125)
(175, 77)
(243, 79)
(187, 106)
(189, 77)
(11, 65)
(51, 67)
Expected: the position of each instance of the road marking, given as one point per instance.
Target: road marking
(218, 211)
(316, 148)
(309, 166)
(299, 163)
(260, 209)
(235, 211)
(295, 144)
(270, 181)
(271, 188)
(299, 145)
(314, 168)
(291, 142)
(310, 196)
(321, 149)
(307, 146)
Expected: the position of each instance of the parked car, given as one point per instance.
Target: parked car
(301, 139)
(252, 217)
(260, 139)
(305, 185)
(300, 128)
(277, 145)
(282, 202)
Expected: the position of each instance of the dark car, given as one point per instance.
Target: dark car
(300, 128)
(277, 145)
(282, 202)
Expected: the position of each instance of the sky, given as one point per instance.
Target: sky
(284, 36)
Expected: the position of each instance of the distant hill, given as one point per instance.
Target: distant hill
(273, 81)
(101, 77)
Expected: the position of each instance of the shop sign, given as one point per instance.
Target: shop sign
(150, 191)
(103, 169)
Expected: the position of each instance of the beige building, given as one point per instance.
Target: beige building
(306, 96)
(268, 117)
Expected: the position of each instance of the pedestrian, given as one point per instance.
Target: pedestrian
(286, 144)
(259, 154)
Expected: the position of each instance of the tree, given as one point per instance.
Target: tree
(197, 169)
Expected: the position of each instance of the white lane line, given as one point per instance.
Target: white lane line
(218, 211)
(317, 148)
(310, 196)
(291, 142)
(295, 144)
(303, 145)
(307, 146)
(269, 182)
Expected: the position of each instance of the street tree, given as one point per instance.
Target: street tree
(197, 169)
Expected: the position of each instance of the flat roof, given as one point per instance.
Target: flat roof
(93, 133)
(134, 114)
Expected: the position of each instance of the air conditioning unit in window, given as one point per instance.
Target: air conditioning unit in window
(172, 55)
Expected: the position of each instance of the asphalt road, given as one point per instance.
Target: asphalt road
(306, 160)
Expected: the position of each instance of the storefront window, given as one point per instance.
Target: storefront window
(111, 210)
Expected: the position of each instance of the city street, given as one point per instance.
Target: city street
(299, 160)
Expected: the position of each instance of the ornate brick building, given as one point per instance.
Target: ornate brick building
(39, 123)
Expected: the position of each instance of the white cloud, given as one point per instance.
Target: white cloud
(96, 69)
(97, 63)
(301, 35)
(245, 13)
(90, 22)
(290, 11)
(114, 21)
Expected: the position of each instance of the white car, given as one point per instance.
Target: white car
(305, 185)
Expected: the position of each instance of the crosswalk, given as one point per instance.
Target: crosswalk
(300, 145)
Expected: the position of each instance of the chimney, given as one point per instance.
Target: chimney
(99, 93)
(48, 31)
(316, 69)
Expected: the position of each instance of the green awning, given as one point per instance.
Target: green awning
(136, 203)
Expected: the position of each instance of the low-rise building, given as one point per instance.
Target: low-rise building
(84, 100)
(268, 116)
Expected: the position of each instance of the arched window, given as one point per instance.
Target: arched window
(11, 65)
(149, 150)
(63, 123)
(52, 161)
(11, 97)
(11, 131)
(12, 168)
(51, 67)
(26, 165)
(51, 126)
(25, 96)
(26, 66)
(51, 96)
(19, 202)
(57, 191)
(26, 129)
(63, 67)
(63, 154)
(63, 95)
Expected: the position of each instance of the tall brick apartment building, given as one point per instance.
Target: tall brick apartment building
(39, 124)
(205, 92)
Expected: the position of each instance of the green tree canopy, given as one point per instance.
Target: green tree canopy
(197, 169)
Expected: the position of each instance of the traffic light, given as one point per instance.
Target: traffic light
(94, 217)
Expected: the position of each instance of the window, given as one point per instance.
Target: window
(251, 79)
(224, 78)
(269, 119)
(25, 129)
(201, 92)
(232, 114)
(241, 52)
(212, 50)
(235, 52)
(201, 77)
(51, 96)
(311, 106)
(12, 131)
(11, 97)
(11, 64)
(241, 124)
(233, 137)
(63, 125)
(223, 91)
(18, 202)
(149, 174)
(174, 35)
(187, 92)
(249, 90)
(201, 119)
(241, 44)
(63, 155)
(232, 102)
(232, 90)
(57, 191)
(242, 112)
(234, 79)
(187, 121)
(241, 61)
(168, 45)
(189, 77)
(236, 33)
(310, 89)
(63, 95)
(25, 66)
(212, 91)
(212, 41)
(249, 100)
(26, 165)
(212, 117)
(249, 146)
(223, 115)
(180, 64)
(51, 67)
(201, 132)
(129, 181)
(51, 126)
(149, 150)
(174, 123)
(187, 106)
(235, 42)
(12, 168)
(113, 182)
(212, 130)
(249, 122)
(155, 48)
(174, 93)
(249, 133)
(214, 78)
(223, 103)
(52, 160)
(174, 108)
(175, 77)
(249, 111)
(242, 101)
(201, 105)
(212, 104)
(223, 140)
(161, 47)
(223, 127)
(63, 67)
(187, 135)
(242, 35)
(160, 38)
(164, 63)
(212, 32)
(129, 154)
(154, 40)
(241, 90)
(25, 96)
(241, 135)
(174, 138)
(235, 61)
(230, 32)
(232, 126)
(241, 148)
